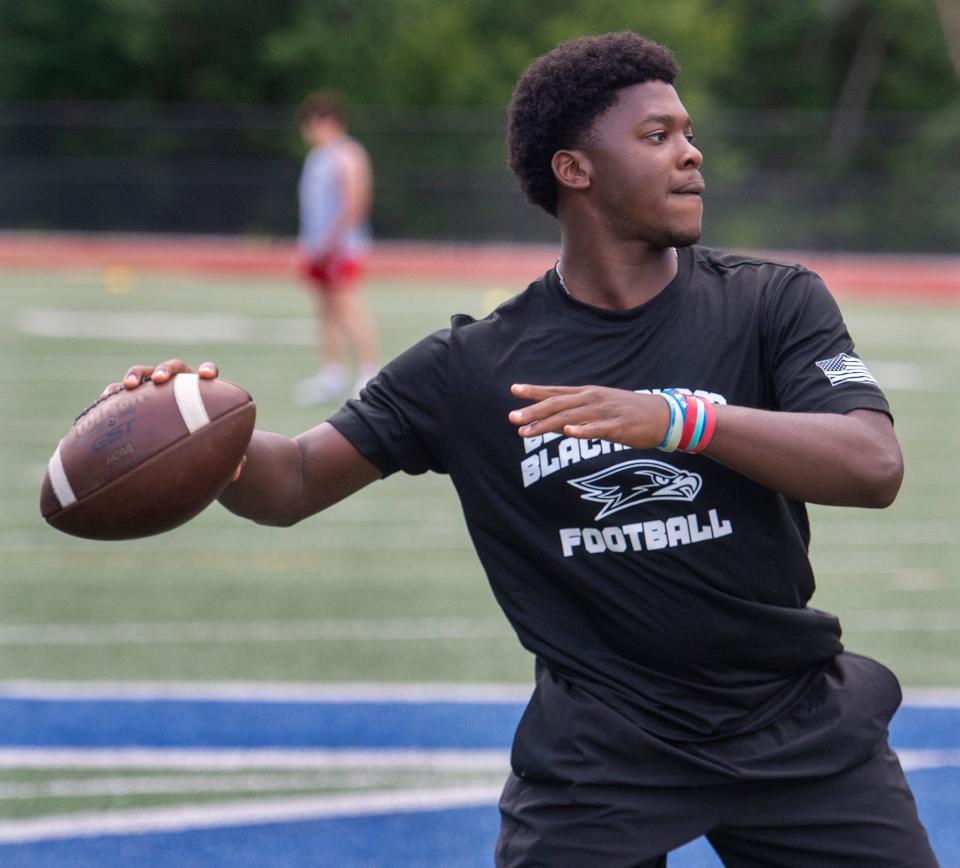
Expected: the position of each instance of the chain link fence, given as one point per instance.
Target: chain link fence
(800, 180)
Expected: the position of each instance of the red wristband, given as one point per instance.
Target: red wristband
(708, 428)
(690, 417)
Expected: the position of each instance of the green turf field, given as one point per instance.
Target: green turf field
(383, 587)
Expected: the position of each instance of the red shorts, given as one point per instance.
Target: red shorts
(332, 273)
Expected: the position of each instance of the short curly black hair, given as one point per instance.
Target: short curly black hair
(561, 93)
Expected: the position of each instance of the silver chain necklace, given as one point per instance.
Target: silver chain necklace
(566, 289)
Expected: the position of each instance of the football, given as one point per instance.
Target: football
(142, 461)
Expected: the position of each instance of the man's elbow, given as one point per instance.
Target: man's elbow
(269, 513)
(884, 478)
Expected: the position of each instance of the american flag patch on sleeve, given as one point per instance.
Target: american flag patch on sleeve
(846, 369)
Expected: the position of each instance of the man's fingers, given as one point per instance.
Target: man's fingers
(538, 393)
(161, 373)
(554, 421)
(547, 406)
(588, 431)
(136, 375)
(170, 368)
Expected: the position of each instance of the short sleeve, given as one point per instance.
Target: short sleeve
(398, 422)
(813, 364)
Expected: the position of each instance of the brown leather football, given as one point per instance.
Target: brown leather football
(143, 461)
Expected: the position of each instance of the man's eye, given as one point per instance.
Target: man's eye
(690, 137)
(658, 137)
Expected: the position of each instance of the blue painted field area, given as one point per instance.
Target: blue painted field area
(399, 827)
(185, 724)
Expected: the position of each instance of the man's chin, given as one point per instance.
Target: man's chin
(685, 239)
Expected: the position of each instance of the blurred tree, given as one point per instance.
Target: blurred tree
(168, 50)
(949, 11)
(470, 53)
(739, 53)
(799, 55)
(840, 107)
(89, 49)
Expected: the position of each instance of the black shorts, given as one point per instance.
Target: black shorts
(864, 817)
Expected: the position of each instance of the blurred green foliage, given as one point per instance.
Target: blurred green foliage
(746, 53)
(831, 124)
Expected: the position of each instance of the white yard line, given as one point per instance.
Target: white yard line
(932, 697)
(902, 620)
(244, 813)
(251, 691)
(916, 760)
(227, 782)
(378, 629)
(328, 630)
(206, 328)
(846, 533)
(332, 692)
(234, 759)
(280, 810)
(163, 326)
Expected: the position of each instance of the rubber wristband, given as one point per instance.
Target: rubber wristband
(673, 429)
(676, 423)
(691, 417)
(701, 425)
(681, 398)
(709, 428)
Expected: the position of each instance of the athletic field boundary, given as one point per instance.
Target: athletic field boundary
(334, 692)
(929, 277)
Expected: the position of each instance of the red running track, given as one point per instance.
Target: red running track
(919, 278)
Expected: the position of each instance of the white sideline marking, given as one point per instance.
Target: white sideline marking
(901, 620)
(207, 816)
(915, 760)
(330, 630)
(223, 328)
(932, 697)
(321, 778)
(163, 326)
(235, 759)
(276, 810)
(225, 782)
(241, 691)
(379, 629)
(902, 375)
(335, 692)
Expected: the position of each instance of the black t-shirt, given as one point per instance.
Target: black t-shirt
(669, 587)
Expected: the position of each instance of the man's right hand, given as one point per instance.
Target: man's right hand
(138, 374)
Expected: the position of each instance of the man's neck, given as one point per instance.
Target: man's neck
(617, 278)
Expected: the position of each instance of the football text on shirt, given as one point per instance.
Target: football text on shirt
(679, 530)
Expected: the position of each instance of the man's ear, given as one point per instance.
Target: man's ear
(572, 169)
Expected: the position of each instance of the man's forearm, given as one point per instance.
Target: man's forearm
(841, 460)
(268, 488)
(287, 479)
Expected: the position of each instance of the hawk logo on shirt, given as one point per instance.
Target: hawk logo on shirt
(633, 482)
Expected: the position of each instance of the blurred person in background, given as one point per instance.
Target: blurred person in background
(335, 192)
